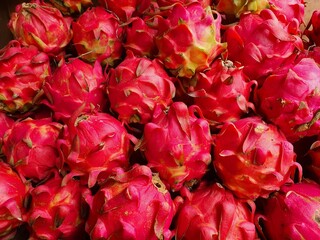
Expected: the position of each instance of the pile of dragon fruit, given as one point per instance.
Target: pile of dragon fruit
(168, 119)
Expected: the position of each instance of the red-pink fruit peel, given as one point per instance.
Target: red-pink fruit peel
(94, 144)
(13, 193)
(293, 212)
(212, 212)
(75, 84)
(177, 145)
(42, 25)
(22, 73)
(258, 160)
(131, 205)
(136, 86)
(30, 147)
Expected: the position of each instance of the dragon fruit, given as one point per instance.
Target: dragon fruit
(258, 160)
(212, 212)
(312, 30)
(56, 209)
(291, 213)
(167, 3)
(94, 144)
(290, 99)
(97, 35)
(125, 9)
(312, 166)
(144, 30)
(22, 73)
(262, 43)
(40, 24)
(293, 10)
(314, 53)
(222, 92)
(70, 7)
(75, 85)
(13, 193)
(131, 205)
(236, 8)
(30, 147)
(136, 86)
(6, 123)
(177, 145)
(188, 39)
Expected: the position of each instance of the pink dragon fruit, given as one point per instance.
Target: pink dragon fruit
(168, 3)
(97, 35)
(131, 205)
(30, 147)
(125, 9)
(177, 144)
(212, 212)
(258, 160)
(291, 213)
(314, 53)
(293, 10)
(136, 86)
(312, 30)
(6, 123)
(262, 43)
(290, 99)
(312, 166)
(40, 24)
(236, 8)
(70, 7)
(93, 145)
(145, 30)
(75, 85)
(222, 92)
(22, 73)
(188, 39)
(13, 193)
(56, 209)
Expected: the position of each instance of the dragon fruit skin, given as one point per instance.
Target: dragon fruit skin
(168, 3)
(222, 92)
(40, 24)
(6, 123)
(258, 160)
(22, 73)
(70, 7)
(262, 43)
(125, 9)
(97, 35)
(144, 30)
(312, 165)
(236, 8)
(225, 217)
(56, 209)
(292, 212)
(313, 53)
(313, 34)
(94, 144)
(177, 145)
(293, 9)
(290, 99)
(13, 192)
(188, 39)
(136, 86)
(30, 147)
(131, 205)
(73, 85)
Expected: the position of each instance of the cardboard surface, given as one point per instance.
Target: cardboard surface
(9, 5)
(311, 5)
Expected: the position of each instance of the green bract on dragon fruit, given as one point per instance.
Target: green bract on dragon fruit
(160, 119)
